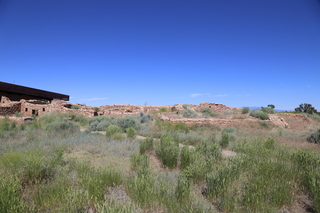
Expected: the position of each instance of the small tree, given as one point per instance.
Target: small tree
(306, 108)
(271, 106)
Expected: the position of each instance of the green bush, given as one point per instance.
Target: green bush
(259, 114)
(75, 107)
(225, 138)
(128, 121)
(62, 126)
(146, 145)
(245, 110)
(100, 123)
(182, 191)
(163, 109)
(267, 110)
(168, 151)
(131, 133)
(185, 157)
(189, 113)
(207, 112)
(4, 125)
(10, 199)
(112, 130)
(314, 137)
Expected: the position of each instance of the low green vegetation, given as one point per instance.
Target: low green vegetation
(245, 110)
(207, 112)
(142, 164)
(259, 114)
(314, 137)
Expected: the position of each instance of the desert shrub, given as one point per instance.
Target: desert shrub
(52, 117)
(128, 121)
(225, 138)
(139, 162)
(181, 127)
(22, 127)
(10, 199)
(182, 191)
(131, 133)
(198, 167)
(185, 106)
(210, 149)
(80, 119)
(118, 136)
(185, 157)
(227, 112)
(18, 114)
(100, 123)
(245, 110)
(264, 124)
(168, 151)
(112, 130)
(189, 113)
(145, 118)
(189, 138)
(36, 124)
(96, 109)
(62, 126)
(4, 125)
(314, 137)
(95, 181)
(75, 107)
(163, 109)
(314, 116)
(34, 165)
(146, 144)
(267, 110)
(259, 114)
(207, 112)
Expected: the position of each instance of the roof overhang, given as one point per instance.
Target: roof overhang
(28, 91)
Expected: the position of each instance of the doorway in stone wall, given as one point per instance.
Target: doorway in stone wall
(35, 112)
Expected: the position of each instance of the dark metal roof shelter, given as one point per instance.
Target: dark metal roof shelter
(14, 92)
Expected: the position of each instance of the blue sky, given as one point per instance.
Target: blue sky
(238, 53)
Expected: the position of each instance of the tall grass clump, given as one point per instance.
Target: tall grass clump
(245, 110)
(202, 159)
(4, 125)
(182, 191)
(261, 177)
(10, 198)
(225, 138)
(96, 181)
(314, 137)
(146, 145)
(186, 157)
(131, 133)
(168, 151)
(259, 114)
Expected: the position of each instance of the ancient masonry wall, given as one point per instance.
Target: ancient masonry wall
(39, 107)
(10, 109)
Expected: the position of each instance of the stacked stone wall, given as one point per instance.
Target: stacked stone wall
(10, 109)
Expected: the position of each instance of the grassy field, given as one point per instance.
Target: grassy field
(68, 163)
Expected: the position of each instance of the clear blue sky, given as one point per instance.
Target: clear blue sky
(238, 53)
